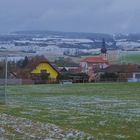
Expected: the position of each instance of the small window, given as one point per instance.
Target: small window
(43, 71)
(137, 75)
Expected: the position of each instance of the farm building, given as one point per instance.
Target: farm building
(39, 69)
(128, 72)
(73, 74)
(90, 64)
(69, 69)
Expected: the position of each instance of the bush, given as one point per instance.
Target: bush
(109, 77)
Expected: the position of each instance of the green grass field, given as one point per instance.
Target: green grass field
(133, 58)
(105, 111)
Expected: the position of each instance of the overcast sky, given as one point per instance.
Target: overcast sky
(103, 16)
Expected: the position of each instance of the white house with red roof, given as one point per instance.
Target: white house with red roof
(90, 64)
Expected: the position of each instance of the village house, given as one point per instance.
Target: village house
(72, 74)
(39, 70)
(75, 69)
(129, 72)
(90, 64)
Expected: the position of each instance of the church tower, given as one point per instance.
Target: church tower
(104, 50)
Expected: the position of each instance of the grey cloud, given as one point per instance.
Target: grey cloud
(108, 16)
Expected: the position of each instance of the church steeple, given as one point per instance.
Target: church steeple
(104, 50)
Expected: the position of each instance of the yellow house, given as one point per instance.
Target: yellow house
(38, 68)
(45, 67)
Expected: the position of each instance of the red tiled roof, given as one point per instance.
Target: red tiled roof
(94, 59)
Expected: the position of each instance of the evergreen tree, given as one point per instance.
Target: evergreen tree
(25, 61)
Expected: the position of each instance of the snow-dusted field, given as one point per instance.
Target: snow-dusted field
(20, 128)
(72, 112)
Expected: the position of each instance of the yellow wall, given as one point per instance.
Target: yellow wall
(48, 68)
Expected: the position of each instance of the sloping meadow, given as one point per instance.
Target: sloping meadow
(76, 111)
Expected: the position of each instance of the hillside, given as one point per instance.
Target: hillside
(53, 44)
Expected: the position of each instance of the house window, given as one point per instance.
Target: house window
(43, 71)
(137, 76)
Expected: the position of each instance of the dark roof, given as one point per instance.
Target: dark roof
(34, 62)
(122, 68)
(70, 70)
(103, 50)
(63, 70)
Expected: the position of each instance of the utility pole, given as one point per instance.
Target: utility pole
(6, 78)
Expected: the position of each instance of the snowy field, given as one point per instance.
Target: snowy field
(71, 112)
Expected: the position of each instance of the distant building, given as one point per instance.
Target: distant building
(69, 69)
(73, 74)
(90, 64)
(130, 72)
(39, 69)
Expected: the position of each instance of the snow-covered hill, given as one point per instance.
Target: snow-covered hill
(66, 44)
